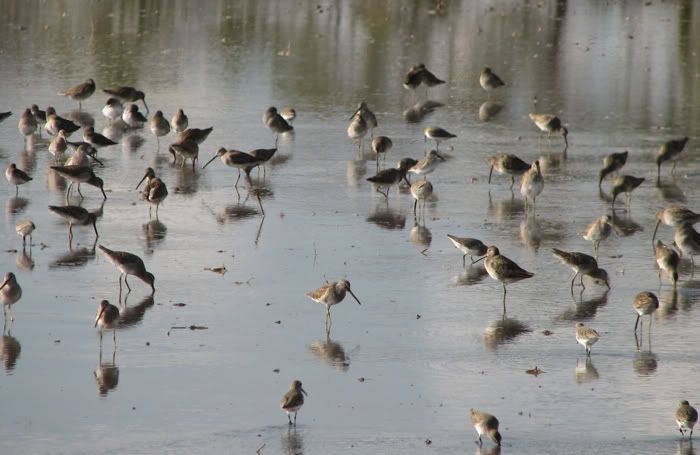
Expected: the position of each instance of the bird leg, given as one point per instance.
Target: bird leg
(126, 282)
(636, 323)
(79, 192)
(572, 281)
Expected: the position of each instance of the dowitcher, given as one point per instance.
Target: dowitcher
(16, 177)
(469, 247)
(414, 77)
(675, 215)
(107, 318)
(155, 190)
(234, 158)
(331, 294)
(357, 130)
(645, 303)
(388, 177)
(159, 125)
(668, 261)
(276, 123)
(82, 156)
(10, 293)
(669, 151)
(56, 123)
(438, 134)
(127, 94)
(75, 215)
(485, 424)
(686, 418)
(489, 81)
(179, 121)
(429, 79)
(507, 164)
(687, 239)
(421, 191)
(25, 228)
(58, 145)
(580, 263)
(39, 116)
(197, 135)
(426, 165)
(95, 139)
(260, 157)
(129, 264)
(293, 400)
(132, 117)
(549, 124)
(381, 145)
(368, 116)
(597, 231)
(80, 92)
(80, 174)
(625, 184)
(113, 109)
(612, 163)
(532, 183)
(586, 337)
(27, 123)
(288, 113)
(188, 150)
(503, 270)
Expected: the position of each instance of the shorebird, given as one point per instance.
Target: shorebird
(469, 247)
(188, 150)
(357, 130)
(82, 156)
(107, 318)
(489, 81)
(421, 191)
(668, 260)
(368, 116)
(580, 263)
(388, 177)
(25, 228)
(503, 270)
(27, 123)
(56, 123)
(686, 418)
(293, 400)
(179, 121)
(16, 177)
(75, 215)
(129, 264)
(288, 113)
(414, 77)
(197, 135)
(507, 164)
(426, 165)
(612, 163)
(625, 184)
(675, 215)
(127, 94)
(159, 126)
(80, 92)
(331, 294)
(39, 116)
(132, 117)
(645, 303)
(485, 424)
(669, 151)
(96, 139)
(58, 145)
(113, 109)
(234, 158)
(80, 174)
(10, 293)
(586, 337)
(598, 230)
(438, 134)
(276, 123)
(549, 124)
(687, 239)
(155, 190)
(260, 157)
(429, 79)
(532, 183)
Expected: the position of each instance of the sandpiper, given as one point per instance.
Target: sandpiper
(357, 130)
(414, 77)
(107, 318)
(234, 158)
(598, 230)
(388, 177)
(159, 125)
(27, 123)
(80, 92)
(586, 337)
(293, 400)
(669, 151)
(127, 94)
(331, 294)
(10, 293)
(56, 123)
(381, 145)
(485, 424)
(668, 260)
(612, 163)
(549, 124)
(469, 247)
(96, 139)
(260, 157)
(129, 264)
(132, 117)
(179, 121)
(489, 81)
(687, 239)
(580, 263)
(16, 177)
(276, 123)
(368, 116)
(82, 156)
(426, 165)
(645, 303)
(188, 150)
(58, 145)
(686, 418)
(532, 183)
(507, 164)
(197, 135)
(438, 134)
(75, 215)
(429, 79)
(421, 190)
(25, 228)
(503, 270)
(288, 113)
(155, 190)
(675, 215)
(113, 109)
(625, 184)
(80, 174)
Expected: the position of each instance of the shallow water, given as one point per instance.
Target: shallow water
(622, 76)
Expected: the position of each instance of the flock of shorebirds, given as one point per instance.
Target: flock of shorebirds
(78, 168)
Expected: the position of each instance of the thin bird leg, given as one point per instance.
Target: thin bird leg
(126, 282)
(636, 324)
(572, 282)
(80, 192)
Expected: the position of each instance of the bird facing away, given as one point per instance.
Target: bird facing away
(645, 303)
(598, 230)
(469, 247)
(16, 177)
(612, 163)
(357, 130)
(27, 123)
(532, 184)
(331, 294)
(159, 125)
(293, 400)
(80, 92)
(686, 418)
(669, 151)
(367, 115)
(580, 263)
(489, 81)
(549, 124)
(668, 261)
(503, 270)
(381, 145)
(625, 184)
(179, 121)
(25, 228)
(107, 318)
(127, 94)
(421, 190)
(485, 424)
(388, 177)
(586, 337)
(129, 264)
(507, 164)
(10, 293)
(675, 215)
(414, 77)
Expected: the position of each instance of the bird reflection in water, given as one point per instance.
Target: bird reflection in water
(131, 143)
(131, 316)
(491, 450)
(9, 349)
(107, 374)
(24, 261)
(624, 227)
(115, 131)
(668, 303)
(502, 331)
(355, 171)
(81, 118)
(331, 352)
(74, 257)
(685, 447)
(292, 442)
(531, 232)
(586, 371)
(489, 110)
(506, 209)
(689, 294)
(419, 111)
(644, 362)
(670, 192)
(186, 180)
(16, 205)
(155, 231)
(27, 160)
(387, 218)
(584, 310)
(420, 236)
(474, 274)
